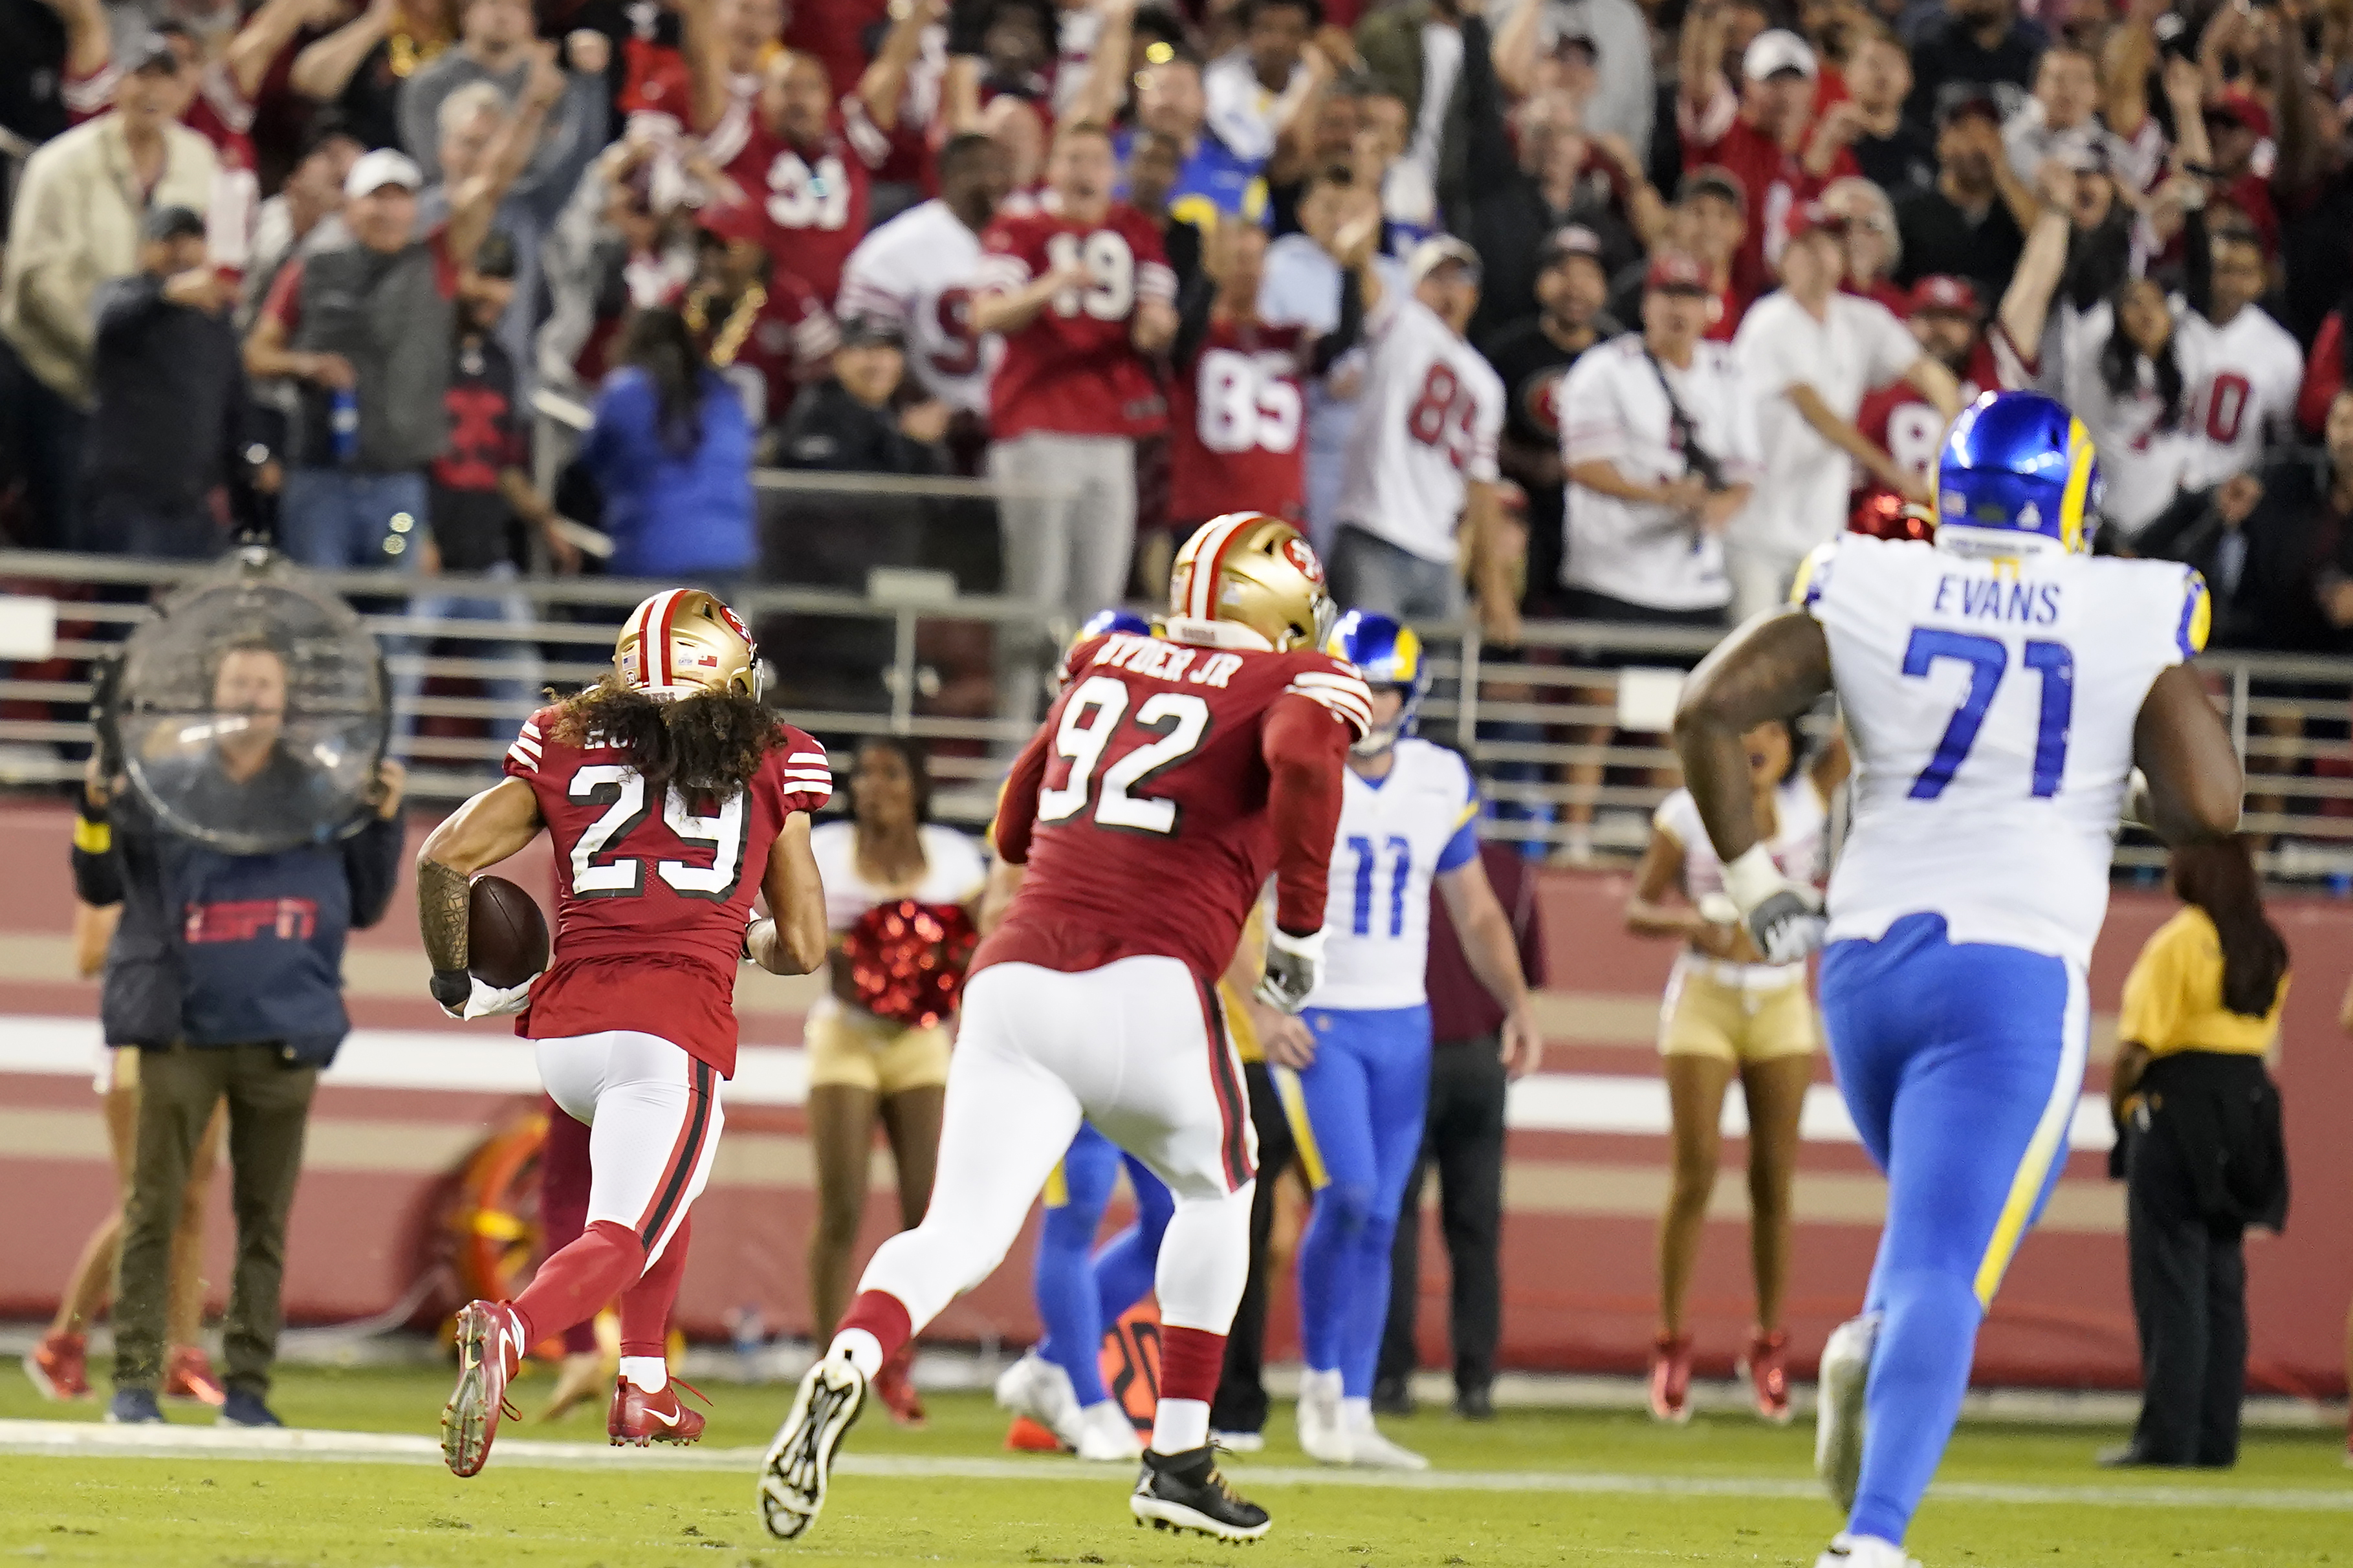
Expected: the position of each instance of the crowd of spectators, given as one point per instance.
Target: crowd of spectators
(301, 264)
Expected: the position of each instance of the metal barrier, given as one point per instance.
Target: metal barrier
(1566, 732)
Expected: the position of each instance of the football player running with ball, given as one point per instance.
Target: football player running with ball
(1169, 780)
(659, 786)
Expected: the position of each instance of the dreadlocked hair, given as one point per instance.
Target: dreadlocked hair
(708, 744)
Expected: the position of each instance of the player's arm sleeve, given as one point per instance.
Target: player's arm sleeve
(1462, 846)
(1813, 579)
(1306, 752)
(1017, 806)
(806, 777)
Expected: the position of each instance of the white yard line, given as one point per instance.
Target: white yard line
(95, 1440)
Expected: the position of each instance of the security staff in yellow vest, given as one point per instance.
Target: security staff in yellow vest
(2202, 1152)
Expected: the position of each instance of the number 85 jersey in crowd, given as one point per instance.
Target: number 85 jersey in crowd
(653, 890)
(1396, 834)
(1992, 704)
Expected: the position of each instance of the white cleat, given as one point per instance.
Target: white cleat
(793, 1477)
(1375, 1452)
(1106, 1436)
(1037, 1388)
(1324, 1435)
(1863, 1551)
(1839, 1410)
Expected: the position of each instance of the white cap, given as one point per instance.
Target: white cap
(1775, 50)
(1435, 252)
(383, 167)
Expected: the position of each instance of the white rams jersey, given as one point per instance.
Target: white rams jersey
(1396, 834)
(1990, 704)
(1426, 423)
(917, 272)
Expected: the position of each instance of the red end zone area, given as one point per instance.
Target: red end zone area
(415, 1096)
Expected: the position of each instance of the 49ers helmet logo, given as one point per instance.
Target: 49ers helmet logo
(1300, 553)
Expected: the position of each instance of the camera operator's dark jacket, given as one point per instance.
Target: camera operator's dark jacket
(2293, 542)
(221, 950)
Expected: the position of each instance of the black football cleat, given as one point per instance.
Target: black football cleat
(1185, 1491)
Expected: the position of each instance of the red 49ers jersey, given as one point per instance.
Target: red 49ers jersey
(652, 895)
(1072, 370)
(813, 198)
(1236, 420)
(1906, 426)
(1152, 834)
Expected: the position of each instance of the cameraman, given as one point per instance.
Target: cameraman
(225, 972)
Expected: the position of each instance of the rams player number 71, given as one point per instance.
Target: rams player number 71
(2000, 686)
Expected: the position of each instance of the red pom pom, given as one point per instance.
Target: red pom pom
(907, 960)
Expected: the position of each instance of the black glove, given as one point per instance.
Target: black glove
(1787, 927)
(452, 987)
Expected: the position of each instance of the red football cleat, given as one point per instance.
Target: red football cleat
(896, 1389)
(491, 1346)
(1769, 1374)
(1671, 1374)
(189, 1375)
(638, 1417)
(60, 1366)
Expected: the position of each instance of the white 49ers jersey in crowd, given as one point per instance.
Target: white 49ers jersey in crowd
(1426, 423)
(1909, 428)
(2143, 454)
(1395, 836)
(917, 272)
(1993, 703)
(2243, 398)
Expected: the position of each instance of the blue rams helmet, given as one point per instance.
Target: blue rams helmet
(1386, 653)
(2017, 463)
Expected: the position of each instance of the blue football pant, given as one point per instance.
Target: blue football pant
(1358, 1115)
(1081, 1291)
(1961, 1064)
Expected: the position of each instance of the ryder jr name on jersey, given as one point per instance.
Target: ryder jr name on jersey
(653, 881)
(1992, 704)
(1396, 834)
(1152, 833)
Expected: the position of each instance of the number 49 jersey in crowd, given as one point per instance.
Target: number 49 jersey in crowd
(1072, 370)
(1993, 703)
(653, 892)
(1152, 834)
(1395, 836)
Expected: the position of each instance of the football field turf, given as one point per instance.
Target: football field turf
(1547, 1487)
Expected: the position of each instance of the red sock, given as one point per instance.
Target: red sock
(564, 1205)
(645, 1306)
(882, 1315)
(571, 1286)
(1190, 1362)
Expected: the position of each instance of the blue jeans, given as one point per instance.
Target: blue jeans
(1961, 1064)
(517, 693)
(336, 520)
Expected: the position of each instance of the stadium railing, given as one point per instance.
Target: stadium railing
(1567, 731)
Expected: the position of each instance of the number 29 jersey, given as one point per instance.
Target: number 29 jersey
(1395, 836)
(1152, 834)
(653, 891)
(1992, 704)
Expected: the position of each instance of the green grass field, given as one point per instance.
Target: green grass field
(1531, 1488)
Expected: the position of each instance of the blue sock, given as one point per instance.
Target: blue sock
(1068, 1305)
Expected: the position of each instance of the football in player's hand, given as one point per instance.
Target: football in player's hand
(506, 936)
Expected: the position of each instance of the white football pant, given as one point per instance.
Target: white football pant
(1138, 1047)
(653, 1116)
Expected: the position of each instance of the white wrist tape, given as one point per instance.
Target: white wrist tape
(1753, 877)
(1310, 947)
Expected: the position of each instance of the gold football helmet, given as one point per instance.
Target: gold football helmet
(1257, 571)
(682, 641)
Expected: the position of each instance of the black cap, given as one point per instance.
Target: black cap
(1959, 100)
(870, 331)
(172, 223)
(495, 257)
(1712, 180)
(152, 53)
